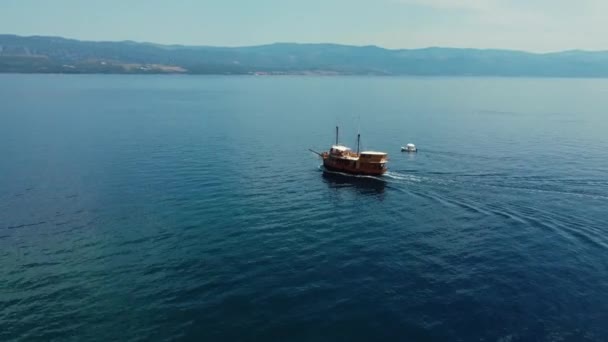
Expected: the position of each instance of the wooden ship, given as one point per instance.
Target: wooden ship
(340, 158)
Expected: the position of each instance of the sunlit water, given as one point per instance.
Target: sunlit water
(162, 207)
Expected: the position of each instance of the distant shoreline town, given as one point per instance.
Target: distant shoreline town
(40, 54)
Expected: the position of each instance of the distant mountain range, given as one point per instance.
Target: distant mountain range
(40, 54)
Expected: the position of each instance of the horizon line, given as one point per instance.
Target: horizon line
(299, 43)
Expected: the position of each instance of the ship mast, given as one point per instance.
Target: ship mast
(336, 135)
(359, 134)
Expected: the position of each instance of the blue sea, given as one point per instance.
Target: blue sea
(157, 208)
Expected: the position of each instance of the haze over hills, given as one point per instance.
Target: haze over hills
(39, 54)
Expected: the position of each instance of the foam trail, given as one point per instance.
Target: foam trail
(397, 176)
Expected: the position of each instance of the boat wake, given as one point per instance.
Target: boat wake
(402, 177)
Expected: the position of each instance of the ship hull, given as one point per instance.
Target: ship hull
(335, 166)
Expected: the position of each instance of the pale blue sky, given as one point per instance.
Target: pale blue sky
(534, 25)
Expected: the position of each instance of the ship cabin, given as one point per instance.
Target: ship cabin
(373, 159)
(342, 151)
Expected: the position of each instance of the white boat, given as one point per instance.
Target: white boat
(409, 148)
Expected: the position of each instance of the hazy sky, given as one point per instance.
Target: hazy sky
(534, 25)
